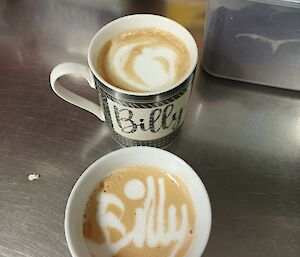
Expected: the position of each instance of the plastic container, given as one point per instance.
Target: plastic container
(255, 41)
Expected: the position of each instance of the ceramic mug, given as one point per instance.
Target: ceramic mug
(134, 118)
(139, 155)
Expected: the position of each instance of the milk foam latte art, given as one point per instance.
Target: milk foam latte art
(143, 60)
(139, 211)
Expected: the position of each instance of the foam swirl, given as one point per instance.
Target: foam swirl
(144, 60)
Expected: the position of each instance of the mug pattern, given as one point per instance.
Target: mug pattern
(154, 120)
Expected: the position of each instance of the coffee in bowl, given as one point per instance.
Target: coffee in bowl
(139, 211)
(143, 60)
(124, 206)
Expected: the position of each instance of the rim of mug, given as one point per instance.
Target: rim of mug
(194, 55)
(84, 176)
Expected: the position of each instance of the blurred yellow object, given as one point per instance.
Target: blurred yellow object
(189, 13)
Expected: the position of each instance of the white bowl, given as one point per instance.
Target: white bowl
(139, 155)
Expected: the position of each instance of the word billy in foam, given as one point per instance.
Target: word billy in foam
(150, 227)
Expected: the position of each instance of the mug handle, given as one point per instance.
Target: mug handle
(78, 69)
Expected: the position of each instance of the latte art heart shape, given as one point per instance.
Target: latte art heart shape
(143, 60)
(156, 67)
(143, 67)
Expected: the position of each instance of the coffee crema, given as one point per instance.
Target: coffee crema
(143, 60)
(139, 211)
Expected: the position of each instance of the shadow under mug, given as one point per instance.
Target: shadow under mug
(134, 118)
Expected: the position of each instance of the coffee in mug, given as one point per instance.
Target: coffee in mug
(139, 211)
(143, 60)
(143, 76)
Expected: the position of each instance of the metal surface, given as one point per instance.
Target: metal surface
(242, 139)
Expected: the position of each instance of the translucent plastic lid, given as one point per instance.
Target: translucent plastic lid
(291, 3)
